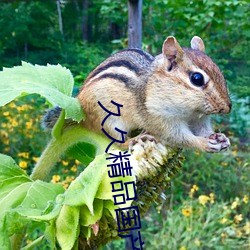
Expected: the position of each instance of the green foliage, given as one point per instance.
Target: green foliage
(201, 223)
(30, 32)
(52, 82)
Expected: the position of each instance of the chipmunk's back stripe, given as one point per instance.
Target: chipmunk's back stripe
(142, 53)
(118, 77)
(118, 63)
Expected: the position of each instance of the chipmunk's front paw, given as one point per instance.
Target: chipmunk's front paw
(141, 139)
(218, 142)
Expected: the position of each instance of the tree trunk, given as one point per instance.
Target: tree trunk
(59, 16)
(135, 23)
(85, 20)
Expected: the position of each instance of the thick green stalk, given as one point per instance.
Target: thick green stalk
(57, 147)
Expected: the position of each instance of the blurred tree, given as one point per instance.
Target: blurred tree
(134, 23)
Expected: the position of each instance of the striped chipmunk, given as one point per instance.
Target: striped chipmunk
(169, 97)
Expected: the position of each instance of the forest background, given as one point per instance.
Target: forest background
(207, 206)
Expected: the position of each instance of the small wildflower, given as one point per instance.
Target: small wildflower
(247, 227)
(73, 168)
(77, 162)
(23, 164)
(29, 124)
(6, 113)
(203, 199)
(24, 154)
(238, 218)
(224, 164)
(223, 220)
(55, 178)
(197, 242)
(245, 199)
(65, 185)
(183, 248)
(235, 203)
(35, 159)
(187, 211)
(211, 195)
(65, 163)
(70, 178)
(223, 235)
(193, 190)
(238, 233)
(234, 152)
(14, 123)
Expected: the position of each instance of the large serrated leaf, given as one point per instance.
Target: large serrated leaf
(53, 82)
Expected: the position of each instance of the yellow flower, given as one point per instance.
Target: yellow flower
(197, 242)
(14, 123)
(211, 195)
(29, 124)
(203, 199)
(238, 233)
(245, 199)
(235, 203)
(35, 159)
(24, 154)
(247, 227)
(234, 152)
(223, 220)
(187, 211)
(223, 235)
(70, 178)
(224, 164)
(55, 178)
(65, 163)
(6, 113)
(4, 134)
(183, 248)
(65, 185)
(23, 164)
(193, 190)
(73, 168)
(77, 162)
(238, 218)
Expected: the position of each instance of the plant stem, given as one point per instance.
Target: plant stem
(57, 147)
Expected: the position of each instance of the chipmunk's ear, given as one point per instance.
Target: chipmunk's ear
(171, 49)
(197, 43)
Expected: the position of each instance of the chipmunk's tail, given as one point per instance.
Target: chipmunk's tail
(50, 117)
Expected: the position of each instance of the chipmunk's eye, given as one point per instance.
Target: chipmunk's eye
(197, 79)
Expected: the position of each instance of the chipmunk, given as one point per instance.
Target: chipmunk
(170, 96)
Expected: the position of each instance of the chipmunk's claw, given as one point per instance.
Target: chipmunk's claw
(218, 142)
(141, 139)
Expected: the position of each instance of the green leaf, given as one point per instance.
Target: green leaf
(86, 218)
(83, 189)
(109, 205)
(39, 194)
(9, 168)
(67, 226)
(6, 186)
(53, 82)
(83, 152)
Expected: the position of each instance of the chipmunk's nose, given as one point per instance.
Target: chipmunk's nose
(227, 108)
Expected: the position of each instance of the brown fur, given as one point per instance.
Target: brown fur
(157, 95)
